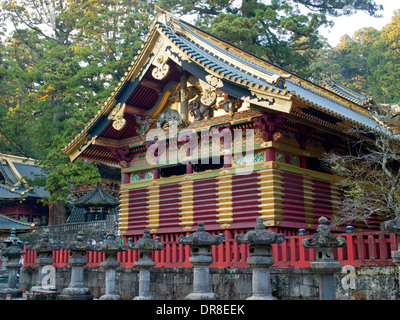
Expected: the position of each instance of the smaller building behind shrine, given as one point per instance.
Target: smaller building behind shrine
(7, 224)
(97, 202)
(18, 199)
(96, 205)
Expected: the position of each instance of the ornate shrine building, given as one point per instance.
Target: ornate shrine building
(96, 202)
(95, 205)
(187, 91)
(17, 199)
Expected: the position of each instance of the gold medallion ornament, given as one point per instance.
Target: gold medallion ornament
(117, 115)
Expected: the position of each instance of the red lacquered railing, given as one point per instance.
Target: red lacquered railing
(362, 249)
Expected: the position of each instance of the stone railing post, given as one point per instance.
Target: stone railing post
(200, 243)
(76, 289)
(260, 252)
(146, 245)
(110, 247)
(13, 254)
(393, 226)
(44, 259)
(6, 243)
(325, 265)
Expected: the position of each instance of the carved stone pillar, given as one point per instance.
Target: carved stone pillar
(76, 289)
(200, 243)
(44, 257)
(393, 226)
(260, 252)
(324, 242)
(146, 245)
(110, 247)
(13, 254)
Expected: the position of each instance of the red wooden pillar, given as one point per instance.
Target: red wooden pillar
(227, 248)
(187, 255)
(383, 247)
(371, 247)
(174, 248)
(181, 252)
(292, 243)
(361, 247)
(270, 154)
(302, 253)
(351, 254)
(167, 249)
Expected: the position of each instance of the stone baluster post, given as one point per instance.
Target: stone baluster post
(76, 289)
(146, 245)
(13, 254)
(325, 265)
(200, 243)
(110, 247)
(260, 258)
(3, 268)
(6, 243)
(44, 258)
(393, 226)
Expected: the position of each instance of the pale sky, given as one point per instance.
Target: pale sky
(350, 24)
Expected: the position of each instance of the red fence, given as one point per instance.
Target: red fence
(362, 249)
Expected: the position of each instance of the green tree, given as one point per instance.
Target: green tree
(349, 62)
(384, 62)
(283, 32)
(368, 62)
(60, 60)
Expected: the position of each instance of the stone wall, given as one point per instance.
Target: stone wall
(371, 283)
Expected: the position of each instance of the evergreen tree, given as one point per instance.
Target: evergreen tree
(384, 62)
(283, 32)
(367, 62)
(60, 60)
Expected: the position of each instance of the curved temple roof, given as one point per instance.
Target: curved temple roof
(13, 185)
(10, 223)
(98, 197)
(174, 45)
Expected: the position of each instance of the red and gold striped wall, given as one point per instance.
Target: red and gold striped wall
(286, 196)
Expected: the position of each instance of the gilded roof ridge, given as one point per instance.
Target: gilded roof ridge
(294, 78)
(262, 78)
(16, 220)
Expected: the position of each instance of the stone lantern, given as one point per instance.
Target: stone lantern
(76, 290)
(260, 258)
(324, 242)
(146, 245)
(200, 243)
(8, 242)
(13, 253)
(44, 259)
(110, 247)
(393, 226)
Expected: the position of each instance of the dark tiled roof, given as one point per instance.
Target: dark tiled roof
(12, 188)
(7, 192)
(7, 173)
(78, 215)
(243, 75)
(343, 91)
(302, 89)
(9, 223)
(97, 197)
